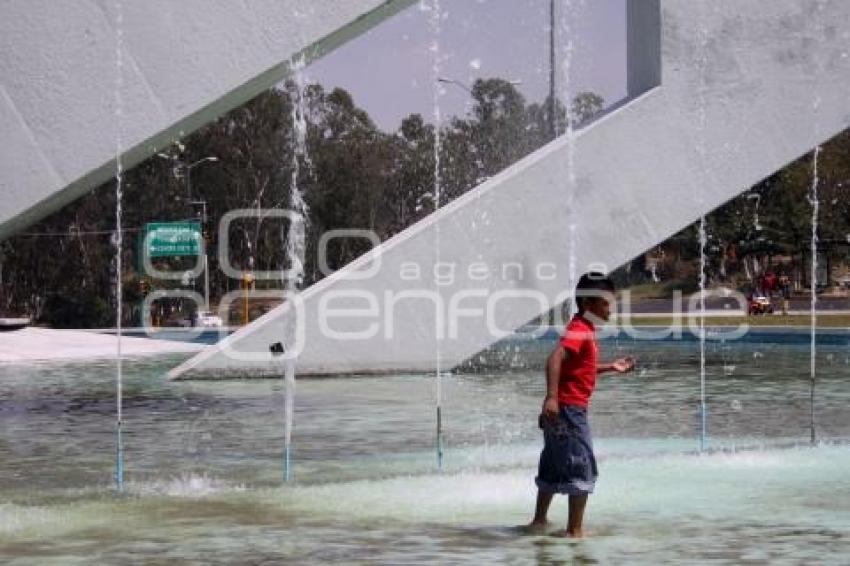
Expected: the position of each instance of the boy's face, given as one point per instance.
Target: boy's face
(598, 306)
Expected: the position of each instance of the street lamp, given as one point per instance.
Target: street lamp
(550, 107)
(203, 203)
(465, 87)
(454, 82)
(189, 168)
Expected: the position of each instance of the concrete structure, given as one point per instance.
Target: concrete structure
(725, 92)
(184, 63)
(31, 344)
(722, 94)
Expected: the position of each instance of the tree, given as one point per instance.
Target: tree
(353, 175)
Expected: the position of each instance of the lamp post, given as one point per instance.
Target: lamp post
(247, 285)
(188, 172)
(189, 168)
(454, 82)
(462, 85)
(550, 108)
(203, 203)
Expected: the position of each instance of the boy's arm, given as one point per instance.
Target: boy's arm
(621, 365)
(553, 375)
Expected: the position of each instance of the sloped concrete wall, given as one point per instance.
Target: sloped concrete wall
(746, 87)
(185, 63)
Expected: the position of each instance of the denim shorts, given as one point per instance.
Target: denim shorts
(567, 464)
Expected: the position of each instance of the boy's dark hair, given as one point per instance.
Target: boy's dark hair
(590, 285)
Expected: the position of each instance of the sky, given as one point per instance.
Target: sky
(389, 71)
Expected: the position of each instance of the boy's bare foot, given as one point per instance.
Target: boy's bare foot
(536, 528)
(568, 534)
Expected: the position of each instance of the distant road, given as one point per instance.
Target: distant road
(824, 303)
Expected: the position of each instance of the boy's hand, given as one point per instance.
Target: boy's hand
(551, 408)
(623, 365)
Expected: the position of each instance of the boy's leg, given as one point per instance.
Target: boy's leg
(541, 510)
(539, 524)
(577, 504)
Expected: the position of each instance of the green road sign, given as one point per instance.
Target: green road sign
(169, 239)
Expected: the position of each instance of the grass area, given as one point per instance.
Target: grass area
(823, 320)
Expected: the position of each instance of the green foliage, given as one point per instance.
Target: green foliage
(353, 176)
(62, 270)
(76, 311)
(770, 221)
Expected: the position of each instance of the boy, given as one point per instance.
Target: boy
(567, 463)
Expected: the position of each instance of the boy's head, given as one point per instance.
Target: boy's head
(592, 294)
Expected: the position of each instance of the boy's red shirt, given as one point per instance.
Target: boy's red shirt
(578, 371)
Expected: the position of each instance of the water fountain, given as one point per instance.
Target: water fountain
(435, 15)
(567, 50)
(295, 249)
(703, 238)
(703, 405)
(814, 201)
(119, 240)
(646, 452)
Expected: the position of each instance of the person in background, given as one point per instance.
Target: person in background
(785, 289)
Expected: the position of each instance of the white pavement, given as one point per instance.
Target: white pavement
(43, 344)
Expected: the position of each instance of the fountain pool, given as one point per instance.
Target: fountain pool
(203, 463)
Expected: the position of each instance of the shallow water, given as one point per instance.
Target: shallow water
(204, 464)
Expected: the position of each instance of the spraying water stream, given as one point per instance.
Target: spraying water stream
(118, 240)
(813, 199)
(295, 252)
(703, 236)
(567, 49)
(436, 30)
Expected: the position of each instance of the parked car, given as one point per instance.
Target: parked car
(8, 324)
(759, 304)
(206, 319)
